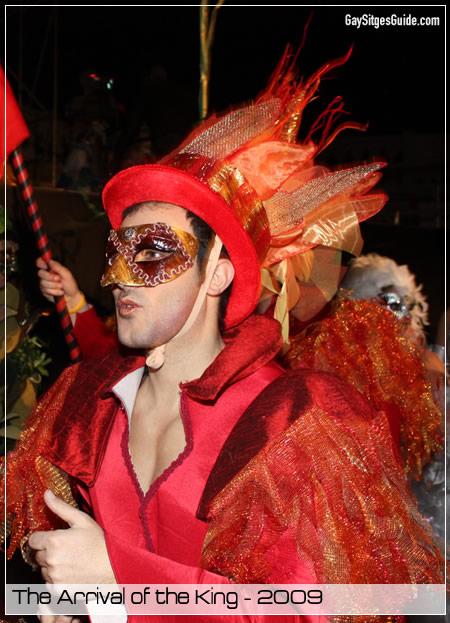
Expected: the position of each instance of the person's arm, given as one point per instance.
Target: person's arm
(92, 335)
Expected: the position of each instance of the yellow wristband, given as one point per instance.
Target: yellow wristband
(79, 306)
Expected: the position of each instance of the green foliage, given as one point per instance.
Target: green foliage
(30, 360)
(26, 362)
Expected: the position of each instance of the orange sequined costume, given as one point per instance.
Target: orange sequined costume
(365, 343)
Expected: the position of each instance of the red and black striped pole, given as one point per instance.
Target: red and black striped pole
(26, 189)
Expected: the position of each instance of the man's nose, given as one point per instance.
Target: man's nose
(118, 272)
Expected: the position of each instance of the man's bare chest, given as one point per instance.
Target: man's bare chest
(156, 440)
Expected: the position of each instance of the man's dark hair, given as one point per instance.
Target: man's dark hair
(204, 234)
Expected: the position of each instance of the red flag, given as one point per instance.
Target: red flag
(13, 127)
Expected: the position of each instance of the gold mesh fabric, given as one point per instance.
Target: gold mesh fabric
(232, 131)
(286, 210)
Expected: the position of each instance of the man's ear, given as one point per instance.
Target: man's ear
(223, 276)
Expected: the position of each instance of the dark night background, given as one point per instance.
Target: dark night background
(394, 80)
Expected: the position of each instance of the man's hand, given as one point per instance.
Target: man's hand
(77, 555)
(59, 282)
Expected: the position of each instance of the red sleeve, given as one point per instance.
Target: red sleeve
(93, 336)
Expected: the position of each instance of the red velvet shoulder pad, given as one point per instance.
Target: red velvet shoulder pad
(84, 417)
(98, 375)
(273, 411)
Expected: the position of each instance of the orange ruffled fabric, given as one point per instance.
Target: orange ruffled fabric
(368, 346)
(329, 491)
(28, 474)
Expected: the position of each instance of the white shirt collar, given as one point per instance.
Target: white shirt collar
(126, 389)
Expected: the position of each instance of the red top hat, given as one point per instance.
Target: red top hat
(273, 208)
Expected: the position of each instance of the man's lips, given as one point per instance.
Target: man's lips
(126, 306)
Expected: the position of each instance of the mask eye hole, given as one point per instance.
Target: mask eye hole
(151, 255)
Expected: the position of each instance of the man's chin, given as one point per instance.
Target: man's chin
(133, 342)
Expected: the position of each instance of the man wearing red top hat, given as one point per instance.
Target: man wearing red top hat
(203, 461)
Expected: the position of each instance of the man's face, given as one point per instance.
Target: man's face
(149, 316)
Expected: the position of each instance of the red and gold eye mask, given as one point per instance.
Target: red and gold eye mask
(148, 255)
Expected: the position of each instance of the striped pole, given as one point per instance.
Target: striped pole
(26, 189)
